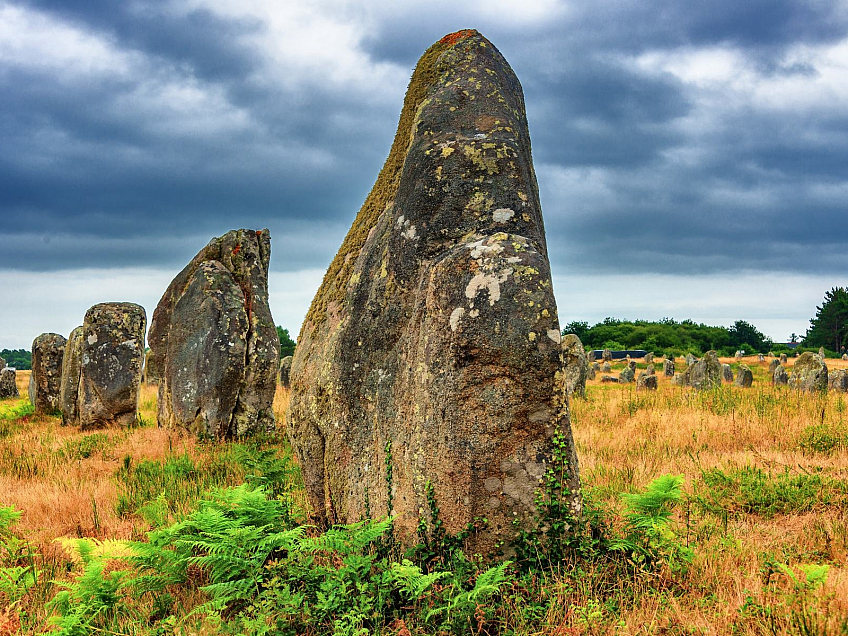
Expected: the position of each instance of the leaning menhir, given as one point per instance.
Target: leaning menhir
(214, 341)
(430, 357)
(48, 349)
(111, 364)
(69, 388)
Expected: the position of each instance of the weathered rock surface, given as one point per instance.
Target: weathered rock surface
(48, 349)
(705, 373)
(71, 368)
(649, 358)
(590, 355)
(668, 367)
(606, 367)
(111, 364)
(727, 373)
(627, 374)
(773, 365)
(596, 367)
(433, 345)
(2, 364)
(607, 379)
(845, 356)
(152, 372)
(214, 340)
(809, 373)
(744, 376)
(779, 376)
(679, 379)
(606, 356)
(590, 373)
(821, 353)
(690, 359)
(576, 365)
(8, 384)
(647, 381)
(650, 370)
(783, 359)
(285, 371)
(838, 380)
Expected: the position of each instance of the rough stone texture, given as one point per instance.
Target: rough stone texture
(590, 355)
(285, 371)
(838, 380)
(632, 365)
(727, 373)
(606, 356)
(213, 337)
(650, 370)
(607, 379)
(679, 379)
(8, 384)
(809, 373)
(48, 349)
(690, 360)
(668, 367)
(2, 364)
(773, 365)
(706, 373)
(152, 371)
(744, 376)
(590, 373)
(783, 358)
(435, 331)
(649, 358)
(69, 387)
(626, 375)
(596, 367)
(779, 376)
(111, 364)
(606, 367)
(821, 353)
(576, 365)
(647, 381)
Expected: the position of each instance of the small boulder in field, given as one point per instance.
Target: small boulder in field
(590, 373)
(838, 380)
(609, 379)
(607, 355)
(761, 357)
(647, 381)
(650, 370)
(112, 359)
(48, 350)
(679, 379)
(590, 355)
(596, 367)
(744, 376)
(706, 373)
(668, 367)
(285, 371)
(649, 358)
(727, 373)
(606, 367)
(626, 375)
(690, 360)
(845, 356)
(575, 364)
(779, 376)
(71, 367)
(8, 384)
(809, 373)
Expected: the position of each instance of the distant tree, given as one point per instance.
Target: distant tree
(744, 335)
(18, 358)
(287, 345)
(578, 328)
(829, 327)
(793, 338)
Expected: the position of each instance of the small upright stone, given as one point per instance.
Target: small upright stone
(809, 373)
(845, 356)
(71, 368)
(649, 358)
(744, 376)
(48, 350)
(738, 355)
(838, 380)
(575, 364)
(285, 371)
(783, 358)
(590, 355)
(727, 373)
(8, 383)
(779, 377)
(606, 356)
(821, 353)
(590, 372)
(679, 379)
(596, 367)
(609, 379)
(761, 357)
(112, 359)
(152, 372)
(650, 370)
(773, 365)
(606, 367)
(690, 360)
(706, 373)
(647, 381)
(668, 367)
(626, 375)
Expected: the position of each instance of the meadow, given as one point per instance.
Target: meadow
(721, 512)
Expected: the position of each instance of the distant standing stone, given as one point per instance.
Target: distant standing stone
(650, 370)
(112, 359)
(845, 356)
(71, 367)
(761, 357)
(668, 367)
(152, 371)
(590, 373)
(626, 375)
(821, 353)
(596, 367)
(606, 367)
(738, 355)
(606, 356)
(783, 358)
(809, 373)
(48, 349)
(647, 381)
(285, 371)
(590, 355)
(773, 365)
(649, 357)
(8, 385)
(606, 379)
(679, 379)
(706, 373)
(727, 373)
(779, 376)
(838, 380)
(744, 376)
(690, 360)
(576, 365)
(2, 364)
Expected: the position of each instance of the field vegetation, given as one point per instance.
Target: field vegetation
(723, 512)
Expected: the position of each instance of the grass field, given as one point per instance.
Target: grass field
(757, 544)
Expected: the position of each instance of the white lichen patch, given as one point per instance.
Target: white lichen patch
(400, 220)
(555, 335)
(92, 338)
(455, 317)
(490, 282)
(409, 232)
(502, 215)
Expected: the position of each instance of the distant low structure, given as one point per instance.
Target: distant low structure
(621, 355)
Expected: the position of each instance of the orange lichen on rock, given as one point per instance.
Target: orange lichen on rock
(452, 38)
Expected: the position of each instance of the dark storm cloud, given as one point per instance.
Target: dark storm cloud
(639, 169)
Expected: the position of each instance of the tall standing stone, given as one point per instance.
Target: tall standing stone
(809, 373)
(727, 373)
(705, 373)
(606, 356)
(8, 383)
(668, 367)
(285, 371)
(48, 349)
(576, 365)
(690, 360)
(111, 367)
(152, 372)
(71, 368)
(627, 374)
(783, 359)
(773, 365)
(649, 358)
(744, 376)
(838, 380)
(433, 346)
(647, 381)
(590, 355)
(214, 340)
(779, 376)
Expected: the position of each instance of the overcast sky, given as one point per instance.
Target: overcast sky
(692, 158)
